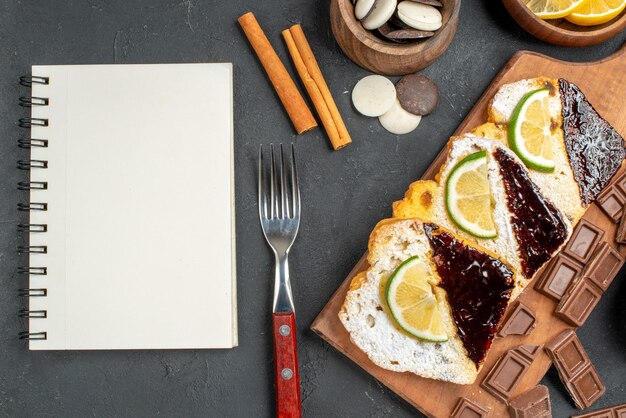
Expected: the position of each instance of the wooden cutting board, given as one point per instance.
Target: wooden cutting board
(604, 84)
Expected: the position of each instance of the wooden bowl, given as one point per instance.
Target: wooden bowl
(560, 31)
(386, 57)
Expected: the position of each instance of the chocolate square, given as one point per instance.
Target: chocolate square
(578, 302)
(601, 413)
(575, 369)
(506, 375)
(620, 411)
(620, 235)
(568, 354)
(611, 201)
(468, 409)
(620, 183)
(521, 321)
(534, 403)
(586, 388)
(558, 276)
(583, 241)
(529, 351)
(604, 266)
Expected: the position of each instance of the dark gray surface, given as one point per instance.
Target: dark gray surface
(344, 194)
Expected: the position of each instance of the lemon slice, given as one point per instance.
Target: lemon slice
(412, 302)
(596, 12)
(530, 134)
(554, 9)
(468, 196)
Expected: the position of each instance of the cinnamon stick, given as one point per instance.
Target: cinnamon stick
(316, 86)
(313, 90)
(287, 91)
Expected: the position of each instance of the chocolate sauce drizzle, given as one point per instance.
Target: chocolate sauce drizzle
(538, 226)
(594, 147)
(478, 289)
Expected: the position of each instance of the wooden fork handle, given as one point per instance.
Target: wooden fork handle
(286, 366)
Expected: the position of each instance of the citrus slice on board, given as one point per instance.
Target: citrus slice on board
(412, 301)
(468, 196)
(554, 9)
(530, 131)
(596, 12)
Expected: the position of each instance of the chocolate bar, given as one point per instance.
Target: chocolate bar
(520, 322)
(583, 242)
(468, 409)
(558, 276)
(611, 201)
(575, 369)
(534, 403)
(604, 266)
(620, 235)
(506, 375)
(578, 302)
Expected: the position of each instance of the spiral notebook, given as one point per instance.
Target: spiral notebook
(131, 207)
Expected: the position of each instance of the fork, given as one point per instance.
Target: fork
(279, 213)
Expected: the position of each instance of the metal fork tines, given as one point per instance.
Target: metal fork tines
(279, 212)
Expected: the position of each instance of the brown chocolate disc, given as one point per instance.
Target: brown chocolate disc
(405, 35)
(417, 94)
(435, 3)
(387, 28)
(395, 21)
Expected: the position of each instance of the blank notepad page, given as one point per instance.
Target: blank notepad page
(140, 239)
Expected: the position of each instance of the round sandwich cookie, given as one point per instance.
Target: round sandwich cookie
(373, 95)
(398, 121)
(417, 94)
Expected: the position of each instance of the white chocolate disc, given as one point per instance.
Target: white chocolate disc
(381, 13)
(420, 16)
(373, 95)
(362, 8)
(398, 121)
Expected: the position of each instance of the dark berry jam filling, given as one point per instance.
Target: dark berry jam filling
(594, 147)
(538, 226)
(478, 289)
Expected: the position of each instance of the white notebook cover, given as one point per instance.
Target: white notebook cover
(140, 239)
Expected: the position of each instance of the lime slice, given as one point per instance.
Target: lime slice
(530, 131)
(412, 302)
(554, 9)
(468, 196)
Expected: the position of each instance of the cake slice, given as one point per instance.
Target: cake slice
(473, 288)
(587, 150)
(530, 229)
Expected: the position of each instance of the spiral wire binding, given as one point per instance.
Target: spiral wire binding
(32, 293)
(30, 122)
(28, 80)
(25, 335)
(28, 164)
(32, 185)
(30, 228)
(31, 101)
(32, 142)
(33, 271)
(32, 206)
